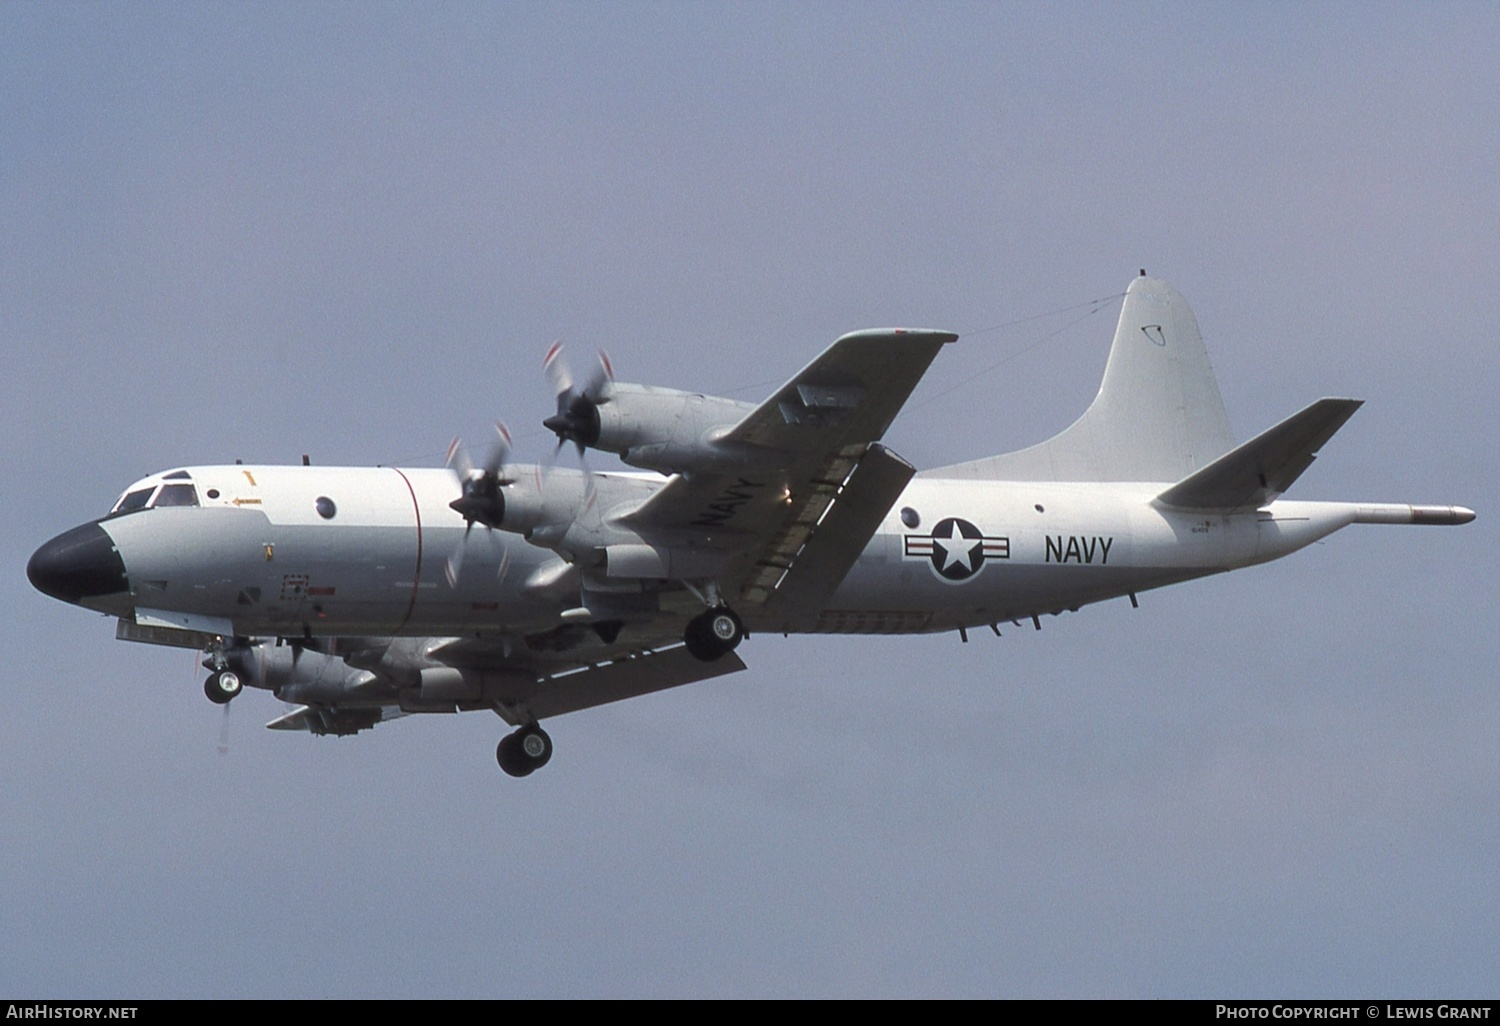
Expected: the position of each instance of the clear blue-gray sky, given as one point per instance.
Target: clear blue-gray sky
(259, 230)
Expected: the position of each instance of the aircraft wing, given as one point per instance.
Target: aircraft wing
(525, 690)
(446, 675)
(637, 674)
(807, 450)
(849, 394)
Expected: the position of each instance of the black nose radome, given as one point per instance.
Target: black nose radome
(78, 564)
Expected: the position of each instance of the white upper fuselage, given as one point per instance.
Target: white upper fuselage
(360, 551)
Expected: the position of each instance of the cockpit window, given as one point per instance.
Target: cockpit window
(176, 475)
(176, 495)
(131, 502)
(172, 494)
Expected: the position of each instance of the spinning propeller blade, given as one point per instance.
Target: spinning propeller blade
(480, 500)
(577, 416)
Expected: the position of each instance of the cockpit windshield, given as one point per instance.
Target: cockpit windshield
(176, 495)
(131, 501)
(175, 492)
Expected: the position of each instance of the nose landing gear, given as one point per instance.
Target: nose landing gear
(223, 683)
(221, 686)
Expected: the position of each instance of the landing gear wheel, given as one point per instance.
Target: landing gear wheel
(525, 751)
(222, 686)
(713, 633)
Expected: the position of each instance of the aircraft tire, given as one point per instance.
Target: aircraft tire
(221, 687)
(535, 746)
(508, 755)
(713, 633)
(524, 751)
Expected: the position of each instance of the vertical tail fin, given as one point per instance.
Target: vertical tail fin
(1158, 415)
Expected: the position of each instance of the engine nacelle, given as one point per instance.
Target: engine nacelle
(666, 430)
(297, 673)
(520, 506)
(644, 560)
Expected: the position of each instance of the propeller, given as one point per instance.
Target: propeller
(453, 567)
(577, 416)
(480, 500)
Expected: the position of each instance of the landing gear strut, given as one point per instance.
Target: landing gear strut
(713, 633)
(525, 751)
(221, 686)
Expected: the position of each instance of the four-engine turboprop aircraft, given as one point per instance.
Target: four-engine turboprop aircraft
(360, 594)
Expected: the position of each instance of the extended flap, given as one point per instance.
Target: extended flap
(813, 572)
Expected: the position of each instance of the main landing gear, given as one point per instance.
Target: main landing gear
(525, 751)
(713, 633)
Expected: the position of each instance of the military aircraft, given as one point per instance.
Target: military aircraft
(362, 594)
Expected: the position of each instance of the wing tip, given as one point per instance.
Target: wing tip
(936, 335)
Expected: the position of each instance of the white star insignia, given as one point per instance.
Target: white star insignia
(957, 549)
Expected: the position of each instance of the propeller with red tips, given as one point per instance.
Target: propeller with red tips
(577, 416)
(480, 500)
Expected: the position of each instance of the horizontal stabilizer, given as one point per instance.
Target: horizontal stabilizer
(1253, 474)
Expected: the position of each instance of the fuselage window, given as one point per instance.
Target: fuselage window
(176, 495)
(131, 502)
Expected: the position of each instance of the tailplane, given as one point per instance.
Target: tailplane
(1260, 470)
(1158, 415)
